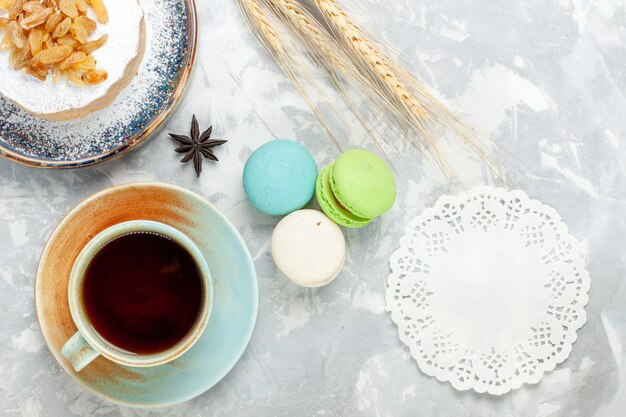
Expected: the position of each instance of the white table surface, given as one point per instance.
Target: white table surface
(545, 78)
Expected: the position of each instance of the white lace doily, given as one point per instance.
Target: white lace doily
(488, 290)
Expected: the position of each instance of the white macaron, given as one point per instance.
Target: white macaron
(309, 248)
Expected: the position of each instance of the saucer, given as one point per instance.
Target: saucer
(235, 299)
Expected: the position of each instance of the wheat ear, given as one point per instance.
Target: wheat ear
(262, 27)
(327, 53)
(379, 65)
(383, 72)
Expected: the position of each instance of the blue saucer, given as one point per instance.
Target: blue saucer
(235, 293)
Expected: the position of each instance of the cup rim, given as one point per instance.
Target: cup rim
(79, 315)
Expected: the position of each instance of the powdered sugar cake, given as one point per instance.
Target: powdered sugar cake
(120, 56)
(135, 111)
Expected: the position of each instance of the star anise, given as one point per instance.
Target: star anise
(197, 146)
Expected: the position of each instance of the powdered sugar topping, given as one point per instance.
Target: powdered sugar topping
(45, 97)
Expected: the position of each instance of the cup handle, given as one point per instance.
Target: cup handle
(78, 352)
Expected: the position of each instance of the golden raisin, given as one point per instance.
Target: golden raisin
(101, 11)
(53, 21)
(79, 32)
(75, 58)
(16, 9)
(86, 64)
(52, 55)
(94, 76)
(32, 6)
(68, 7)
(62, 28)
(67, 40)
(5, 5)
(16, 35)
(3, 22)
(48, 42)
(74, 76)
(36, 18)
(89, 47)
(82, 5)
(35, 41)
(19, 58)
(37, 72)
(86, 22)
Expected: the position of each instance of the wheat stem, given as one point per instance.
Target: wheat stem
(352, 56)
(262, 27)
(381, 66)
(383, 71)
(417, 106)
(327, 53)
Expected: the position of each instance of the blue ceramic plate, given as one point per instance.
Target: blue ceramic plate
(235, 293)
(138, 111)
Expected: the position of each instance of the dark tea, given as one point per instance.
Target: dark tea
(143, 292)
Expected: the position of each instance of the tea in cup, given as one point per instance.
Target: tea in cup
(140, 294)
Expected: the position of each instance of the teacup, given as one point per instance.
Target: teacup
(87, 343)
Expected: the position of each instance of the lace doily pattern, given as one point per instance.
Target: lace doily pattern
(488, 290)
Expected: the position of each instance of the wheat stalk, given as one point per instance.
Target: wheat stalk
(383, 71)
(418, 107)
(350, 55)
(324, 48)
(304, 24)
(379, 64)
(273, 42)
(327, 53)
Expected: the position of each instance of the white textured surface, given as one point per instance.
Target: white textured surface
(50, 97)
(557, 100)
(488, 290)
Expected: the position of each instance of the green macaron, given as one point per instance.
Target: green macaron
(331, 206)
(363, 184)
(356, 188)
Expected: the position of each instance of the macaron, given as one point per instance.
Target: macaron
(356, 188)
(331, 206)
(279, 177)
(308, 248)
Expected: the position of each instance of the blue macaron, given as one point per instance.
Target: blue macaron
(279, 177)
